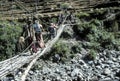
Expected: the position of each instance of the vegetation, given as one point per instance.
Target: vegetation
(91, 55)
(76, 49)
(60, 48)
(64, 6)
(82, 14)
(97, 35)
(9, 33)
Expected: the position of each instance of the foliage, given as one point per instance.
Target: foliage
(64, 50)
(92, 54)
(9, 34)
(76, 49)
(64, 6)
(92, 45)
(82, 14)
(98, 37)
(54, 20)
(60, 48)
(99, 11)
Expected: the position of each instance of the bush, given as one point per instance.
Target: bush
(8, 37)
(76, 49)
(60, 48)
(64, 6)
(92, 54)
(92, 45)
(82, 14)
(98, 37)
(54, 20)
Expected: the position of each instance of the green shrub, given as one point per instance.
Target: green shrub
(98, 37)
(92, 54)
(60, 48)
(76, 49)
(82, 14)
(54, 20)
(64, 6)
(8, 37)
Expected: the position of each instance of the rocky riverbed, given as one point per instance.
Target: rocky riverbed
(106, 67)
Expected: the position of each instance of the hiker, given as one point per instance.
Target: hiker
(27, 32)
(52, 30)
(60, 19)
(63, 16)
(20, 45)
(38, 33)
(71, 17)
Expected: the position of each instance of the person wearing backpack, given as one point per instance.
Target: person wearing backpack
(20, 45)
(38, 33)
(52, 30)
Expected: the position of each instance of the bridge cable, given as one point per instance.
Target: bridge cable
(11, 54)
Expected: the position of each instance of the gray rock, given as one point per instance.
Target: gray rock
(98, 67)
(57, 71)
(31, 72)
(73, 61)
(36, 71)
(107, 71)
(90, 62)
(67, 68)
(102, 59)
(110, 62)
(94, 78)
(114, 59)
(19, 73)
(75, 72)
(47, 80)
(118, 58)
(56, 58)
(106, 79)
(81, 62)
(46, 70)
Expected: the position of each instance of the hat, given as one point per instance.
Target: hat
(21, 39)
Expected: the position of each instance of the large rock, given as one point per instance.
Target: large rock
(56, 58)
(107, 71)
(118, 74)
(75, 72)
(46, 70)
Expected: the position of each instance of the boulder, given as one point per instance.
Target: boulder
(107, 71)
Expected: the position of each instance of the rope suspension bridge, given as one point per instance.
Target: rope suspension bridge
(12, 64)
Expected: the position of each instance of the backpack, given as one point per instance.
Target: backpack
(37, 28)
(51, 29)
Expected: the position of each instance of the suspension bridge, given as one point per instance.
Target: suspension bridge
(12, 64)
